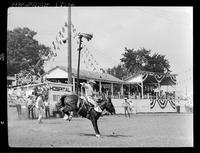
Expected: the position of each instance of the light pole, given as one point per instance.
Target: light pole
(80, 36)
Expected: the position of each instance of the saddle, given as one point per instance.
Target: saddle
(85, 101)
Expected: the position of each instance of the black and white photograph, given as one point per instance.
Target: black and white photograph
(96, 76)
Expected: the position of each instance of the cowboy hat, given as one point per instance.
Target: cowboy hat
(91, 81)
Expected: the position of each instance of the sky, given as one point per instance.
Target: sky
(164, 30)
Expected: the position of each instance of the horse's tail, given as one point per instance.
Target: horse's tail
(70, 101)
(62, 100)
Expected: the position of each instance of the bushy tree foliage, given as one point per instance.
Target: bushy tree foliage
(119, 71)
(140, 60)
(24, 53)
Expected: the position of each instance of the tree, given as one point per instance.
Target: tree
(24, 53)
(157, 63)
(141, 60)
(118, 71)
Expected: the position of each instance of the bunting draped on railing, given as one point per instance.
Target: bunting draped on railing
(173, 78)
(144, 76)
(159, 77)
(162, 103)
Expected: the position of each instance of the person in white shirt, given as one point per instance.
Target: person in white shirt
(89, 93)
(126, 106)
(39, 106)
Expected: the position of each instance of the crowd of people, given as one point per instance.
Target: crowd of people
(35, 100)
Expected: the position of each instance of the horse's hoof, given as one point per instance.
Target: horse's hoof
(70, 118)
(66, 117)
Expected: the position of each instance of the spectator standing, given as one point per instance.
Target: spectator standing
(40, 107)
(178, 105)
(30, 107)
(126, 106)
(47, 109)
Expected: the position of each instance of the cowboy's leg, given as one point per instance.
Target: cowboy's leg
(96, 107)
(90, 100)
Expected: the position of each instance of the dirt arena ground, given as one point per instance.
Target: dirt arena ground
(141, 130)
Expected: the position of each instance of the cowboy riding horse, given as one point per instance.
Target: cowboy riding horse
(73, 103)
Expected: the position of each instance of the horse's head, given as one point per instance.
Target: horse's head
(108, 106)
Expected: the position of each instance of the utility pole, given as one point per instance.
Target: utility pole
(69, 46)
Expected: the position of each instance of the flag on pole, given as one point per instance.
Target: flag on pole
(63, 29)
(74, 30)
(54, 47)
(60, 33)
(57, 40)
(62, 36)
(64, 41)
(65, 24)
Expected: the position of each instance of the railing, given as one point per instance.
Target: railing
(139, 97)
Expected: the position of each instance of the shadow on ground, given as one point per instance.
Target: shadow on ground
(110, 135)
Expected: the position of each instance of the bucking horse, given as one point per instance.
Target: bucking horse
(73, 103)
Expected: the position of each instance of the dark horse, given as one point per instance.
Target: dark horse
(74, 103)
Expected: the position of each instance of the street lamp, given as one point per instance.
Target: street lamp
(80, 36)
